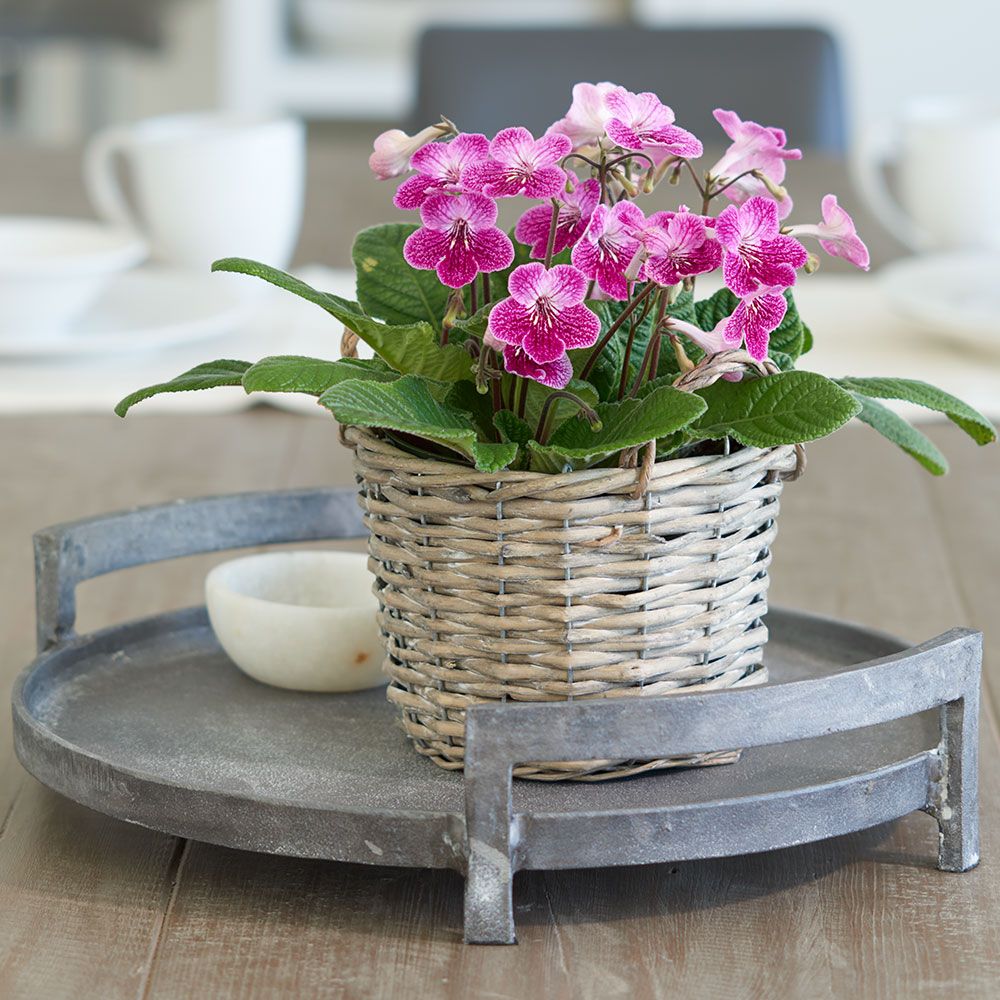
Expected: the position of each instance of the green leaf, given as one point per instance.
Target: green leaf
(412, 349)
(407, 406)
(786, 408)
(716, 307)
(970, 420)
(207, 376)
(893, 427)
(623, 425)
(512, 427)
(789, 338)
(290, 373)
(388, 288)
(561, 408)
(807, 340)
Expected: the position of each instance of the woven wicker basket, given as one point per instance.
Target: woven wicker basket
(537, 587)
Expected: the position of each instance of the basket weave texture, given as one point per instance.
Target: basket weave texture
(536, 587)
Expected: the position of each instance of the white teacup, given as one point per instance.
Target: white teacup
(945, 151)
(206, 185)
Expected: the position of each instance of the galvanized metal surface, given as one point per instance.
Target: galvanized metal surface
(151, 723)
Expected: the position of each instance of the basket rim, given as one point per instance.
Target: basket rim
(354, 435)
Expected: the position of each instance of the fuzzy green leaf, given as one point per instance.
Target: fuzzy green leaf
(210, 375)
(786, 408)
(412, 349)
(893, 427)
(623, 425)
(512, 427)
(312, 376)
(407, 406)
(388, 288)
(970, 420)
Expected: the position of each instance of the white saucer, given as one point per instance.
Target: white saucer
(140, 310)
(953, 295)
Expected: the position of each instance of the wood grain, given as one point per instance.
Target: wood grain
(94, 908)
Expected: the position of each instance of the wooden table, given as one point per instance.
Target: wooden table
(90, 907)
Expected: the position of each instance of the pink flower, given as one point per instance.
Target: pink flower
(642, 122)
(608, 246)
(754, 318)
(459, 238)
(588, 115)
(678, 247)
(393, 150)
(545, 314)
(756, 253)
(521, 164)
(555, 374)
(575, 210)
(440, 167)
(836, 233)
(753, 147)
(710, 341)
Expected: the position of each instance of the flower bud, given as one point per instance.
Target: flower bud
(776, 190)
(628, 185)
(393, 149)
(812, 264)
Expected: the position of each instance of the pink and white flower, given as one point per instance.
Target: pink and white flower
(710, 341)
(520, 164)
(440, 167)
(608, 246)
(554, 374)
(679, 246)
(753, 147)
(643, 122)
(545, 315)
(575, 209)
(394, 149)
(836, 234)
(756, 253)
(754, 319)
(458, 239)
(587, 117)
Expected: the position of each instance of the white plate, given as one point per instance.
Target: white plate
(951, 294)
(142, 309)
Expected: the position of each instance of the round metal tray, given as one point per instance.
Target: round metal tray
(151, 723)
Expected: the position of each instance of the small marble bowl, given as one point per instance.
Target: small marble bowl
(299, 620)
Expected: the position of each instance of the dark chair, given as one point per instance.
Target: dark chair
(485, 79)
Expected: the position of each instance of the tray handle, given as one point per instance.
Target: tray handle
(942, 673)
(67, 554)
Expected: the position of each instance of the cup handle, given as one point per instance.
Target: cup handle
(101, 181)
(877, 146)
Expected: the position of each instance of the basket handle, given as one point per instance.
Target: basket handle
(67, 554)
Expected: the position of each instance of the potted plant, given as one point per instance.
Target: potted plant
(570, 462)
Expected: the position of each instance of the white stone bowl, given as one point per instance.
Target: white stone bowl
(299, 620)
(52, 269)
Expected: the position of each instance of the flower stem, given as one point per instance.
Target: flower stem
(711, 194)
(652, 346)
(522, 396)
(613, 329)
(553, 226)
(694, 177)
(633, 328)
(486, 289)
(473, 297)
(542, 431)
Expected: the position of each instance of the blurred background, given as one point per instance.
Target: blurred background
(882, 97)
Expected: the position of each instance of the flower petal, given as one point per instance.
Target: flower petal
(533, 229)
(425, 248)
(565, 285)
(413, 192)
(492, 249)
(578, 327)
(555, 374)
(509, 321)
(526, 283)
(753, 320)
(513, 146)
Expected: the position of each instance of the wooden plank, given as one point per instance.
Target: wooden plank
(82, 897)
(865, 915)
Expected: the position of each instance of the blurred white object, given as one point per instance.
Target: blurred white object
(952, 295)
(380, 25)
(943, 150)
(207, 185)
(300, 620)
(51, 270)
(144, 309)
